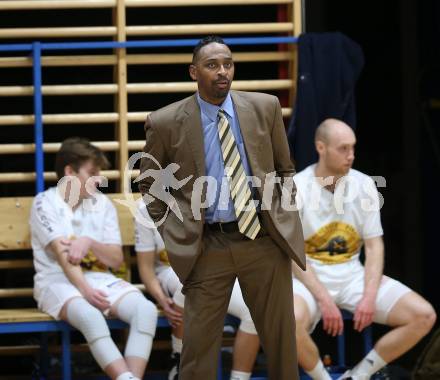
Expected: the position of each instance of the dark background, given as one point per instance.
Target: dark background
(397, 128)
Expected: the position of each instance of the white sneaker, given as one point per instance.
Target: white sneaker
(347, 375)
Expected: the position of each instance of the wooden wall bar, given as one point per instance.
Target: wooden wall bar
(122, 62)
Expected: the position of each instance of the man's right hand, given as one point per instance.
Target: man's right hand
(97, 298)
(333, 324)
(174, 317)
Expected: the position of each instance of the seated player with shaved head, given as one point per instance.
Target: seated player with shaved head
(340, 212)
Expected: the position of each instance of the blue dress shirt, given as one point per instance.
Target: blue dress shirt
(222, 208)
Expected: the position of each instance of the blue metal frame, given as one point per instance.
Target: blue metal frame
(367, 338)
(37, 47)
(38, 114)
(65, 329)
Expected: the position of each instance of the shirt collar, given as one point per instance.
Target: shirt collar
(211, 110)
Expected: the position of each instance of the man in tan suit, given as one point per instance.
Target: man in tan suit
(221, 134)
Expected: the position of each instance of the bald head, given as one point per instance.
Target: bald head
(335, 143)
(332, 130)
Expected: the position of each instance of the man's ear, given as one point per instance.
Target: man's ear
(319, 145)
(69, 170)
(193, 72)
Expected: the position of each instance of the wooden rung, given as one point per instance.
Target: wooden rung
(139, 59)
(18, 292)
(90, 31)
(51, 176)
(32, 349)
(185, 3)
(139, 88)
(148, 30)
(75, 4)
(107, 146)
(59, 4)
(77, 89)
(244, 85)
(262, 27)
(137, 117)
(77, 118)
(85, 118)
(16, 264)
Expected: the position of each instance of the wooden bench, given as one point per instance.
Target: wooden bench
(15, 240)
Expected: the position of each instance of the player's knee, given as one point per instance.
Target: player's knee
(87, 319)
(301, 330)
(301, 316)
(424, 317)
(140, 313)
(247, 324)
(146, 308)
(179, 298)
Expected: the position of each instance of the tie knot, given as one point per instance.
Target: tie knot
(221, 113)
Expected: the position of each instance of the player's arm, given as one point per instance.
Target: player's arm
(108, 254)
(108, 251)
(374, 261)
(60, 248)
(332, 320)
(145, 261)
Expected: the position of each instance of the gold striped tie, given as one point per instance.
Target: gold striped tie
(244, 207)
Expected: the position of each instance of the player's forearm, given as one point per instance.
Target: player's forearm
(149, 279)
(73, 272)
(311, 281)
(108, 254)
(153, 287)
(374, 262)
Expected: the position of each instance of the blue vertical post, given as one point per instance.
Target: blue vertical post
(38, 114)
(44, 357)
(66, 360)
(368, 339)
(341, 350)
(220, 367)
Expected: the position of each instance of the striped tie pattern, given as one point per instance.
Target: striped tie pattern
(245, 211)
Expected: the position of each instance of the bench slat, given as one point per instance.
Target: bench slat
(23, 315)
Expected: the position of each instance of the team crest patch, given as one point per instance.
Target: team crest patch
(334, 243)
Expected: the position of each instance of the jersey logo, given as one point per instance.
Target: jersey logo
(334, 243)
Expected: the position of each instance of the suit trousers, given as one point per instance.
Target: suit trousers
(265, 277)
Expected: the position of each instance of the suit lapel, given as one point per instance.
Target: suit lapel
(248, 127)
(194, 134)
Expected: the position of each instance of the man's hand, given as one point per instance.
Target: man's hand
(174, 317)
(97, 298)
(364, 313)
(333, 324)
(78, 249)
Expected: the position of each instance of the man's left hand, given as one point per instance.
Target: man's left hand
(363, 316)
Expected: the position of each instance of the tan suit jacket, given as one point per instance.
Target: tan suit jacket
(174, 135)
